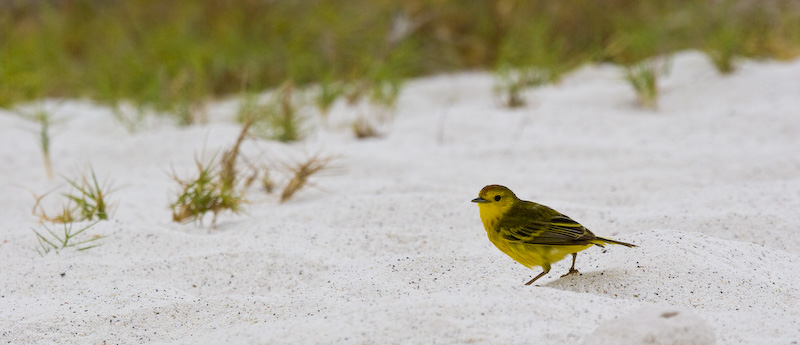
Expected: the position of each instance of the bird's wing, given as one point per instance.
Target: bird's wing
(542, 225)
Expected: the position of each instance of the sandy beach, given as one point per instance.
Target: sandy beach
(386, 248)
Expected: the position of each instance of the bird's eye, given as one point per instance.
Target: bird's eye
(496, 198)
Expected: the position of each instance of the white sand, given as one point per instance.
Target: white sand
(389, 249)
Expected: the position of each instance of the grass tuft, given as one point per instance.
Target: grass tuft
(725, 39)
(90, 198)
(206, 192)
(133, 118)
(87, 201)
(531, 53)
(385, 92)
(281, 118)
(217, 187)
(49, 240)
(364, 129)
(643, 77)
(266, 181)
(43, 117)
(509, 83)
(45, 121)
(327, 94)
(723, 49)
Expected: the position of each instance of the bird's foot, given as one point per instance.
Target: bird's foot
(571, 271)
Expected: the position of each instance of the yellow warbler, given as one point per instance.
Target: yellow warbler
(533, 234)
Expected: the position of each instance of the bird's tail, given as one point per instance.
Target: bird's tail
(600, 241)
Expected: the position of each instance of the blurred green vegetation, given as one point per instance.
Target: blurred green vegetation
(171, 56)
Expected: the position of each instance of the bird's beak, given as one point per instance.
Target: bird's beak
(479, 200)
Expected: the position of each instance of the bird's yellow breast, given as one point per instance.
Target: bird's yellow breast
(490, 216)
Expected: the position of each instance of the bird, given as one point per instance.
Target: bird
(533, 234)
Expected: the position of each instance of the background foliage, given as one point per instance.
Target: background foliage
(171, 56)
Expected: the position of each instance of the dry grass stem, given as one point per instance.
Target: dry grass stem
(301, 173)
(229, 171)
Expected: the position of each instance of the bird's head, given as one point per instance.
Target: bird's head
(495, 200)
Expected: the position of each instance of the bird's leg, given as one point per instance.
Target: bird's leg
(537, 277)
(572, 269)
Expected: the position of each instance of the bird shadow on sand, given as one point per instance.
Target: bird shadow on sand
(604, 282)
